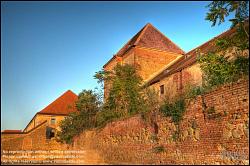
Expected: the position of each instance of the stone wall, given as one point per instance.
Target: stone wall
(214, 130)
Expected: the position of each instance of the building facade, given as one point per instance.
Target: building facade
(161, 63)
(51, 116)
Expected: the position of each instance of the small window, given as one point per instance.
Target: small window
(162, 89)
(50, 133)
(53, 121)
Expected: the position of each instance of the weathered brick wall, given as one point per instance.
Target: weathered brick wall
(147, 61)
(179, 81)
(192, 75)
(151, 61)
(205, 137)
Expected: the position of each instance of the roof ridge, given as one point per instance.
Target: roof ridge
(58, 99)
(142, 32)
(126, 44)
(167, 38)
(215, 37)
(182, 61)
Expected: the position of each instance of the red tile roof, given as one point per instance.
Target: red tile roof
(63, 105)
(149, 37)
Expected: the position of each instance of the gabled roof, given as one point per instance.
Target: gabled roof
(151, 37)
(63, 105)
(191, 57)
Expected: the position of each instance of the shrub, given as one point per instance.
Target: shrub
(218, 69)
(174, 110)
(87, 106)
(105, 116)
(194, 91)
(125, 94)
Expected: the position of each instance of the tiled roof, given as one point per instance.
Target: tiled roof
(190, 57)
(151, 37)
(63, 105)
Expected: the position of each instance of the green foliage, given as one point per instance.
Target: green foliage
(125, 90)
(88, 102)
(102, 76)
(239, 40)
(194, 91)
(125, 94)
(175, 109)
(151, 100)
(159, 149)
(218, 10)
(151, 105)
(87, 105)
(105, 116)
(242, 65)
(69, 128)
(218, 70)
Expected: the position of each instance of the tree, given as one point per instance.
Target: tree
(125, 90)
(87, 105)
(125, 93)
(218, 10)
(228, 62)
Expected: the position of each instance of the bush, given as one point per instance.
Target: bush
(85, 118)
(218, 70)
(125, 90)
(194, 91)
(105, 116)
(125, 94)
(174, 110)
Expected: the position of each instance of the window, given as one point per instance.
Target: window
(50, 132)
(53, 121)
(162, 89)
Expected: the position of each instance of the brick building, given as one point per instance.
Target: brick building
(50, 115)
(161, 63)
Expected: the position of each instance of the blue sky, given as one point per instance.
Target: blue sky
(50, 47)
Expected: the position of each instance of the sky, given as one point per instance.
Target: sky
(48, 48)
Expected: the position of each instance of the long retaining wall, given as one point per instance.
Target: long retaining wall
(214, 130)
